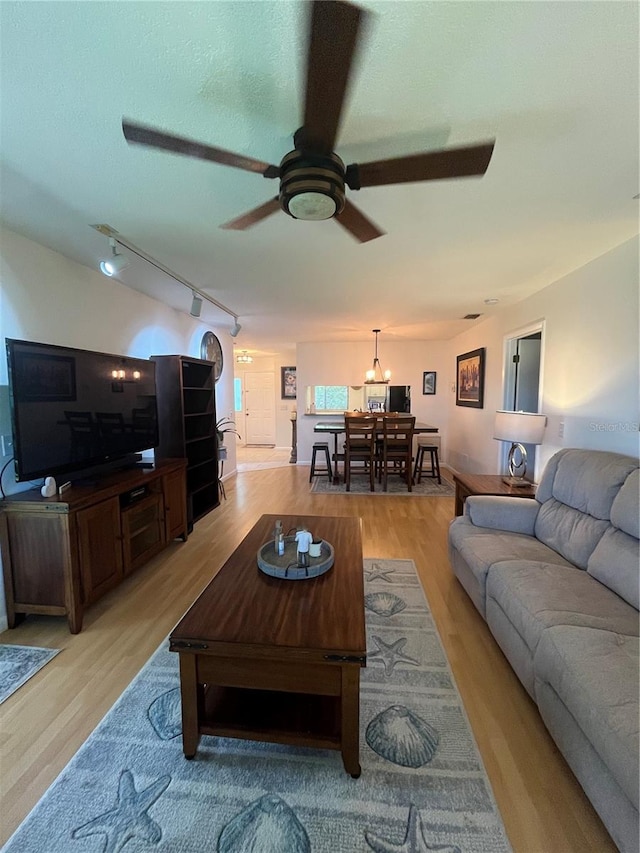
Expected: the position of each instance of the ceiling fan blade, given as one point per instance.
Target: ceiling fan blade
(357, 224)
(141, 134)
(430, 166)
(333, 41)
(253, 216)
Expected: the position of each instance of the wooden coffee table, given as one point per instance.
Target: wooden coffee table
(277, 660)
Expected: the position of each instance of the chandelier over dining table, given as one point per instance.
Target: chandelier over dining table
(376, 376)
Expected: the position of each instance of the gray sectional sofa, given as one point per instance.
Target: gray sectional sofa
(557, 580)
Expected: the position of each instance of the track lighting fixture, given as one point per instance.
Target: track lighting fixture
(115, 264)
(196, 305)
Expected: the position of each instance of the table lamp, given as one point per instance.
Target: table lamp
(519, 428)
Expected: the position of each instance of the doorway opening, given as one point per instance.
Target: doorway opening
(522, 383)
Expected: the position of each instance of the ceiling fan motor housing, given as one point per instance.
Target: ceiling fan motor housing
(312, 185)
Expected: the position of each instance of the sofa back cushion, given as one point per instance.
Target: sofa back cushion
(568, 531)
(616, 559)
(625, 512)
(577, 492)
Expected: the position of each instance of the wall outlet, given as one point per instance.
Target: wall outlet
(6, 442)
(561, 429)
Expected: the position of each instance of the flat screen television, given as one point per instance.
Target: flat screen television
(74, 410)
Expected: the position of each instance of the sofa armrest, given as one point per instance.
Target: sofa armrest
(517, 515)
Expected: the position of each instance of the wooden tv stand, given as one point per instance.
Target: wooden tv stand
(61, 554)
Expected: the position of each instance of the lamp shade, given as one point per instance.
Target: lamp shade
(521, 427)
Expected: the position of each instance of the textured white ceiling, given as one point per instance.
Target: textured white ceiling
(556, 83)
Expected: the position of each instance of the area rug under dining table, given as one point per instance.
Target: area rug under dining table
(423, 785)
(360, 485)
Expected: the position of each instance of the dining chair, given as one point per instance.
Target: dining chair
(359, 447)
(111, 431)
(396, 447)
(83, 434)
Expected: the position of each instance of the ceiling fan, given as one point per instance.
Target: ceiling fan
(312, 176)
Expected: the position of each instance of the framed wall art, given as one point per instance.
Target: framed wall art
(470, 379)
(288, 383)
(46, 378)
(429, 382)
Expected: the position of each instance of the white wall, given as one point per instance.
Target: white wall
(590, 364)
(46, 297)
(346, 364)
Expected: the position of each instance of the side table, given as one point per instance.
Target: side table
(487, 484)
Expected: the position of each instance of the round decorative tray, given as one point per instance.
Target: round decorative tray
(286, 565)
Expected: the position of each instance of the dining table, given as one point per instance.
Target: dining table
(335, 428)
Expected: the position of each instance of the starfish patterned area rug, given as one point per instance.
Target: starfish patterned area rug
(360, 485)
(18, 664)
(423, 785)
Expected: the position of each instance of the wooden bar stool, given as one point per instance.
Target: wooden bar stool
(320, 447)
(430, 444)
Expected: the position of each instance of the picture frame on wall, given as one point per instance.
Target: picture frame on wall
(288, 387)
(46, 378)
(470, 379)
(429, 382)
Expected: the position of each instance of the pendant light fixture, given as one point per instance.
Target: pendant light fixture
(375, 376)
(243, 358)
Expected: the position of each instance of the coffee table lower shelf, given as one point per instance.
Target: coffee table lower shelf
(298, 703)
(268, 715)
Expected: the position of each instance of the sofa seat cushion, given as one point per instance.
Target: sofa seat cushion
(481, 547)
(595, 675)
(536, 595)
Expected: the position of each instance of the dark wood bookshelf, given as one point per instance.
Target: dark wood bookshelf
(187, 424)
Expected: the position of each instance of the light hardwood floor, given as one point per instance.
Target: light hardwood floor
(45, 721)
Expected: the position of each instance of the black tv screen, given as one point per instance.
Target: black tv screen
(75, 409)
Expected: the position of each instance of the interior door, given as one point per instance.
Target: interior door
(260, 407)
(522, 385)
(527, 374)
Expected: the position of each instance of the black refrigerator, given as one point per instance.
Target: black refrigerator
(398, 398)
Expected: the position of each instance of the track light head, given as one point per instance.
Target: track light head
(115, 264)
(196, 306)
(236, 329)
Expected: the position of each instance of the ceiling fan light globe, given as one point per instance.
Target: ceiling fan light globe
(312, 206)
